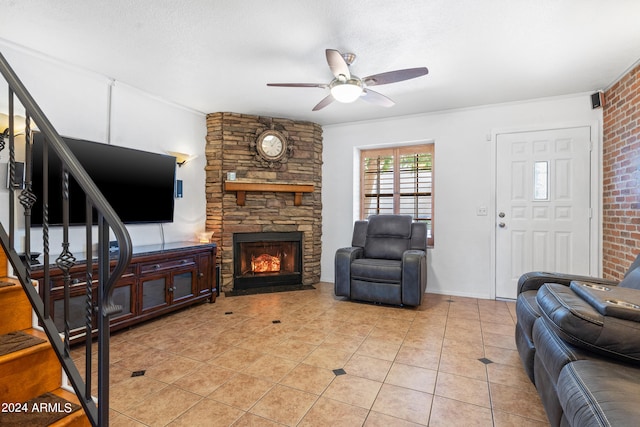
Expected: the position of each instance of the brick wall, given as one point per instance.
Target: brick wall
(621, 175)
(228, 149)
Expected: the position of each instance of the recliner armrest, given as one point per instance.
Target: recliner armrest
(342, 269)
(414, 276)
(535, 279)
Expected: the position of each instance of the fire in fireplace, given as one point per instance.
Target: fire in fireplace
(266, 263)
(267, 259)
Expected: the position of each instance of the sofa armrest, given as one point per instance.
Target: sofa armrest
(342, 269)
(414, 276)
(534, 279)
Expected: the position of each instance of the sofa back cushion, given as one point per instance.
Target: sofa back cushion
(359, 234)
(631, 279)
(635, 264)
(419, 236)
(388, 236)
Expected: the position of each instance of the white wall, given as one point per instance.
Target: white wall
(77, 103)
(86, 105)
(460, 261)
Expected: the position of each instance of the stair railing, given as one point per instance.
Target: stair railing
(109, 270)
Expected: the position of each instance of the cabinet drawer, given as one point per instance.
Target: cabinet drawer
(79, 277)
(167, 265)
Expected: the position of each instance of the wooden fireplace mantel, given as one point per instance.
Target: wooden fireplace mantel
(241, 188)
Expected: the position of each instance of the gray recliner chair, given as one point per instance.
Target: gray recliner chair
(386, 263)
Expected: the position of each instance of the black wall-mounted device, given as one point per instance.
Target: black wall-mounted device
(597, 100)
(19, 177)
(178, 189)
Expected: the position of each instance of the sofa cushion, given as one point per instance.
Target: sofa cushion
(599, 393)
(579, 323)
(377, 270)
(554, 352)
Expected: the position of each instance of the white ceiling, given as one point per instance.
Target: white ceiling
(217, 55)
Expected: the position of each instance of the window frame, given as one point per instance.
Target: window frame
(397, 152)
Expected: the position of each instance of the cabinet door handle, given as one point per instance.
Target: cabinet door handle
(157, 266)
(172, 289)
(183, 261)
(200, 274)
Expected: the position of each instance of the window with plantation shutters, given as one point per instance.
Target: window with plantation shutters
(398, 181)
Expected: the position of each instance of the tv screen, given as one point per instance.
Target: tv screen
(139, 185)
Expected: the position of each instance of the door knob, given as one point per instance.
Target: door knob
(501, 215)
(501, 225)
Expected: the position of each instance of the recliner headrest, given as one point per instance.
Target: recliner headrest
(398, 226)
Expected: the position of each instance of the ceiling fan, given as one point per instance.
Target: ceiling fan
(347, 87)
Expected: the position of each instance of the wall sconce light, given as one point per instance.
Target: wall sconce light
(18, 128)
(4, 138)
(182, 158)
(19, 123)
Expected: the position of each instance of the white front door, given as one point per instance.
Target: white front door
(542, 204)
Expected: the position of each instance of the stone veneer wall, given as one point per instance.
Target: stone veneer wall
(621, 175)
(228, 149)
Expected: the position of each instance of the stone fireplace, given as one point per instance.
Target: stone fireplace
(281, 199)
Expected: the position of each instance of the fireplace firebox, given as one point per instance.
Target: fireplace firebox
(267, 259)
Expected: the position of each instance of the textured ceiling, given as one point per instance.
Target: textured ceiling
(218, 55)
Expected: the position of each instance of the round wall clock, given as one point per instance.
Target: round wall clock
(271, 145)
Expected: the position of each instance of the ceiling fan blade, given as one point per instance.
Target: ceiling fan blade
(395, 76)
(376, 98)
(320, 85)
(337, 63)
(325, 101)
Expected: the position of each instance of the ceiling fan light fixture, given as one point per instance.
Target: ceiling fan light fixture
(347, 88)
(346, 91)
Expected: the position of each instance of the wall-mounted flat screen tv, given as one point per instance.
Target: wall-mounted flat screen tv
(139, 185)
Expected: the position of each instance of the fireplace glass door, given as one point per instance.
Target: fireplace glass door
(267, 259)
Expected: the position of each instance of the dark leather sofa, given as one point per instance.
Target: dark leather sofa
(579, 341)
(386, 262)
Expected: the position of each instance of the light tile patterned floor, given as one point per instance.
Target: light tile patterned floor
(269, 360)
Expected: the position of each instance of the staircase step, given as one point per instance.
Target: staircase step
(75, 419)
(57, 408)
(15, 309)
(4, 264)
(29, 372)
(33, 371)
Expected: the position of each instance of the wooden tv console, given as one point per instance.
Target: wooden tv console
(159, 279)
